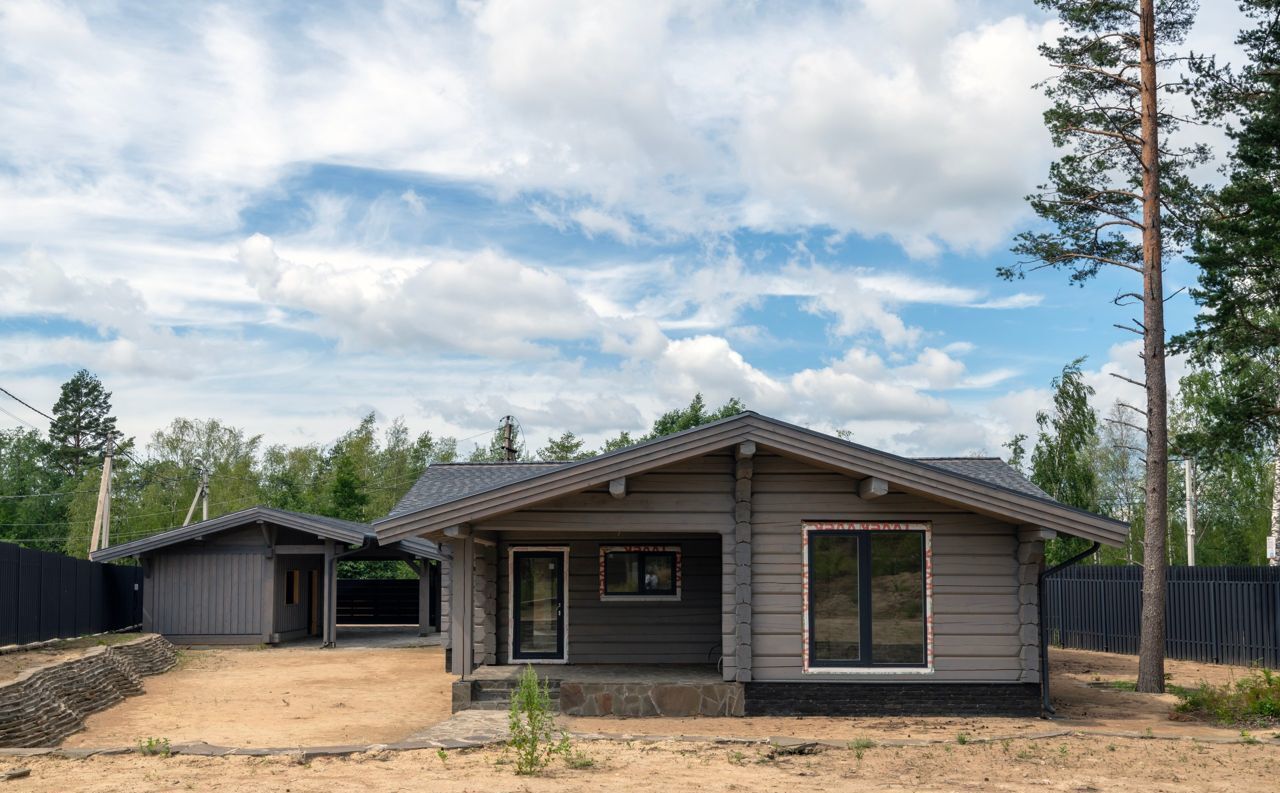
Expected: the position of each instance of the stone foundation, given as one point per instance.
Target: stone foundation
(46, 704)
(650, 699)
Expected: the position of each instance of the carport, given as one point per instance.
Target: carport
(263, 575)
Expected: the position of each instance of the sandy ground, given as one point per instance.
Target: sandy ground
(301, 696)
(12, 664)
(1078, 765)
(288, 696)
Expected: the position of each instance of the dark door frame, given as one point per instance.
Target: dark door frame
(513, 649)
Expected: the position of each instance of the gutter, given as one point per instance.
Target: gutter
(1046, 708)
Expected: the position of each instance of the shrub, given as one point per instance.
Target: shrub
(1250, 701)
(534, 736)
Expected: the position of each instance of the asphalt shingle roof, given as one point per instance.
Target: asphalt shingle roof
(445, 482)
(991, 470)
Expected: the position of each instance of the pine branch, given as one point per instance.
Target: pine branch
(1128, 380)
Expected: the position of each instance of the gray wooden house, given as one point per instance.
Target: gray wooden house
(261, 575)
(745, 566)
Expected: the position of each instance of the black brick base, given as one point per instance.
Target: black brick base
(892, 699)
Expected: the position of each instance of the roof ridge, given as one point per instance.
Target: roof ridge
(961, 457)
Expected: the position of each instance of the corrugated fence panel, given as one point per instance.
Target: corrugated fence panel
(51, 596)
(1228, 615)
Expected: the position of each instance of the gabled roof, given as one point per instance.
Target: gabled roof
(448, 495)
(345, 531)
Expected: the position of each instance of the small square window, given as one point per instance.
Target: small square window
(644, 572)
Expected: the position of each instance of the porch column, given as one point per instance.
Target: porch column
(1030, 561)
(743, 470)
(423, 568)
(484, 610)
(461, 606)
(330, 595)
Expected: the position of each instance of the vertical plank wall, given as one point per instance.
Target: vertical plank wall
(214, 592)
(975, 585)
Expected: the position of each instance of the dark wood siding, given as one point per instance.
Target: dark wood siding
(686, 631)
(208, 592)
(295, 618)
(688, 504)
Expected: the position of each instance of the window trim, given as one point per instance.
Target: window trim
(643, 597)
(811, 666)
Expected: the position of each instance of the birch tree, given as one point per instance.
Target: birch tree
(1115, 199)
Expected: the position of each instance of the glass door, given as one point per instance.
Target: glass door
(538, 605)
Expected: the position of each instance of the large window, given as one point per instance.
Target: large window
(645, 572)
(868, 595)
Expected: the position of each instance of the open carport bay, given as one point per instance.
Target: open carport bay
(282, 696)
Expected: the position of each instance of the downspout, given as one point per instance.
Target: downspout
(1046, 709)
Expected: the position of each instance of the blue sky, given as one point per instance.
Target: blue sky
(576, 212)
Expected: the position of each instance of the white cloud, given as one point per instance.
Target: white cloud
(481, 303)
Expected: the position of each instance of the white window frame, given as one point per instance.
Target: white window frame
(511, 604)
(809, 527)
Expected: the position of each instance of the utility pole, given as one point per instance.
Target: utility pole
(1189, 469)
(102, 515)
(202, 494)
(508, 438)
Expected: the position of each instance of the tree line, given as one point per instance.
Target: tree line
(49, 479)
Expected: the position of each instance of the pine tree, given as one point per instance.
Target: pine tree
(1237, 331)
(82, 423)
(1118, 197)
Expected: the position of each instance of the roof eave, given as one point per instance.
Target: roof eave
(924, 479)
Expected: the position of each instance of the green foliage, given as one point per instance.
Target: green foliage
(1237, 330)
(82, 422)
(1062, 463)
(695, 415)
(534, 736)
(1252, 701)
(156, 747)
(567, 447)
(1093, 198)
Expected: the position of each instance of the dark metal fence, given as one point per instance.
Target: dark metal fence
(378, 601)
(1225, 615)
(50, 596)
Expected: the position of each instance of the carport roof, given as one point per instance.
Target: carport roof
(344, 531)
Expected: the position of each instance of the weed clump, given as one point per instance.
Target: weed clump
(1252, 701)
(534, 739)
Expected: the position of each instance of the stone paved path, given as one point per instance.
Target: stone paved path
(475, 727)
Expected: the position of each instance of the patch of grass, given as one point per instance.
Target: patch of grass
(579, 760)
(154, 747)
(962, 738)
(862, 743)
(737, 758)
(1248, 737)
(443, 755)
(1120, 685)
(1252, 701)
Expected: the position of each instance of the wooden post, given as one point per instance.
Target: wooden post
(425, 573)
(743, 472)
(326, 633)
(462, 596)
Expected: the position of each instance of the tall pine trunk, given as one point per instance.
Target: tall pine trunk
(1151, 649)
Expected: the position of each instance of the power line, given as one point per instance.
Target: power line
(19, 419)
(24, 403)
